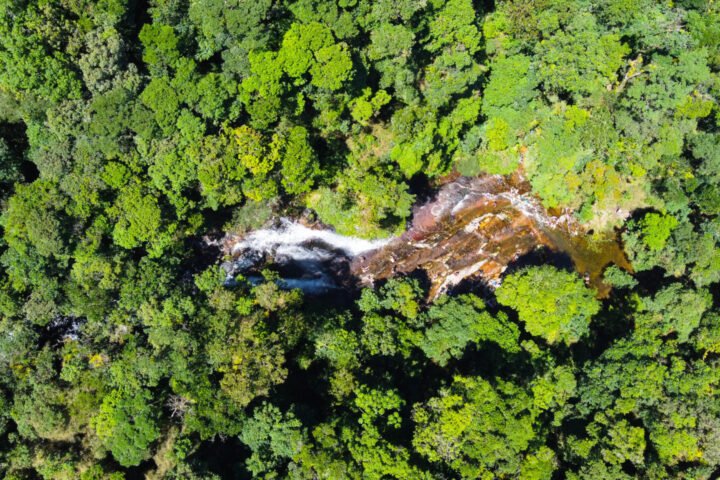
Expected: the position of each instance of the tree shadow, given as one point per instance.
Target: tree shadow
(478, 286)
(539, 256)
(488, 360)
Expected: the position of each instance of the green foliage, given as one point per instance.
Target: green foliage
(332, 67)
(127, 423)
(139, 220)
(458, 321)
(364, 204)
(235, 30)
(477, 429)
(552, 303)
(273, 437)
(133, 134)
(300, 44)
(682, 248)
(251, 215)
(33, 61)
(9, 168)
(162, 99)
(454, 24)
(656, 229)
(299, 164)
(391, 318)
(35, 218)
(579, 60)
(674, 309)
(365, 107)
(375, 404)
(160, 45)
(219, 170)
(618, 278)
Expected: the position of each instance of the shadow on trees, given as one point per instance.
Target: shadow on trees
(606, 327)
(222, 456)
(477, 286)
(488, 360)
(540, 255)
(306, 391)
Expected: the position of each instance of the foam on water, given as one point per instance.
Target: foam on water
(529, 206)
(309, 257)
(291, 238)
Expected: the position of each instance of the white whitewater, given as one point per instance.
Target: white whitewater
(296, 241)
(307, 258)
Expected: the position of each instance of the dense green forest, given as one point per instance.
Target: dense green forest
(130, 129)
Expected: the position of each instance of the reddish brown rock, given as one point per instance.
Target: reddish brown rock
(479, 226)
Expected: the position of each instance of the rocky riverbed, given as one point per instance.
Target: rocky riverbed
(473, 228)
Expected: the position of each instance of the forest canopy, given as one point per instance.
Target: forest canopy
(130, 131)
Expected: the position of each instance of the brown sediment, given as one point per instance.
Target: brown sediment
(481, 225)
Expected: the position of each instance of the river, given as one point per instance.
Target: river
(473, 229)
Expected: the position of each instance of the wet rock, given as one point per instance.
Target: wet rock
(477, 227)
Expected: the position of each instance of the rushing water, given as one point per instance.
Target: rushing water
(473, 228)
(292, 238)
(314, 260)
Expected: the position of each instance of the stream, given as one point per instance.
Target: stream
(472, 229)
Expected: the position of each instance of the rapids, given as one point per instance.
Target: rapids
(314, 260)
(474, 228)
(292, 238)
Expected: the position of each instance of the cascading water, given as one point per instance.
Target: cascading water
(473, 227)
(313, 260)
(294, 238)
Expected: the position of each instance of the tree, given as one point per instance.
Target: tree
(160, 45)
(35, 218)
(449, 75)
(139, 139)
(580, 60)
(366, 203)
(9, 164)
(389, 50)
(127, 424)
(310, 47)
(365, 107)
(33, 61)
(299, 162)
(454, 24)
(299, 45)
(273, 436)
(219, 170)
(255, 365)
(675, 245)
(235, 30)
(456, 322)
(391, 318)
(139, 220)
(675, 309)
(480, 430)
(332, 67)
(656, 229)
(104, 63)
(38, 408)
(160, 97)
(645, 378)
(552, 303)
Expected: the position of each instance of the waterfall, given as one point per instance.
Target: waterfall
(309, 259)
(473, 228)
(292, 239)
